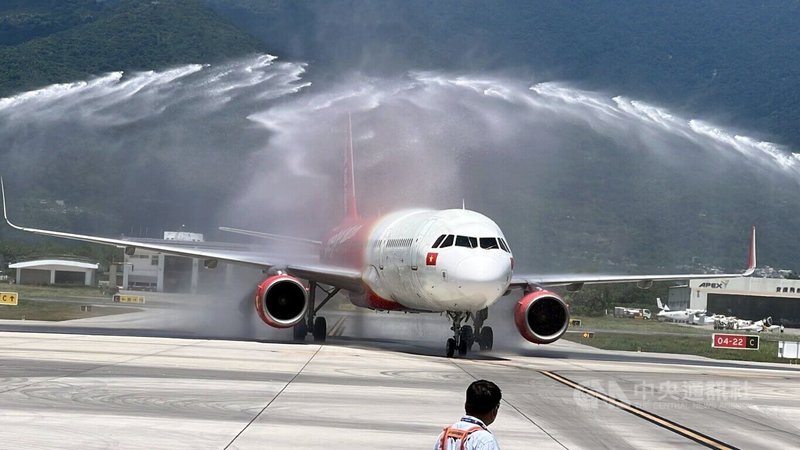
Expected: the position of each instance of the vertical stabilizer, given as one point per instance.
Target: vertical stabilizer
(350, 208)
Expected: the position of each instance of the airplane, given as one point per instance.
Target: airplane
(452, 261)
(685, 315)
(758, 326)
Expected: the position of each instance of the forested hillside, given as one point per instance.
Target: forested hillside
(48, 41)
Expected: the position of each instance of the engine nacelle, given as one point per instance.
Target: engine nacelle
(541, 317)
(281, 301)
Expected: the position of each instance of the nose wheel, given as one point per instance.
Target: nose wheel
(464, 336)
(451, 347)
(484, 335)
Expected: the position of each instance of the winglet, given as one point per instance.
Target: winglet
(349, 174)
(5, 211)
(751, 255)
(3, 189)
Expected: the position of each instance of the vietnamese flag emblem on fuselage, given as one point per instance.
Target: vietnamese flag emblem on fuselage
(431, 259)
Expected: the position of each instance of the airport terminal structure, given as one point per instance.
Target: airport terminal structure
(154, 271)
(749, 298)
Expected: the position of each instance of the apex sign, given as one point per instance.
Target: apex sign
(713, 285)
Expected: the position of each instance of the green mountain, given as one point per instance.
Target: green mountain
(44, 42)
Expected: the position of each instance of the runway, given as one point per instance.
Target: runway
(93, 391)
(192, 371)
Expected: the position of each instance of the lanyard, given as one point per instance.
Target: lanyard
(474, 421)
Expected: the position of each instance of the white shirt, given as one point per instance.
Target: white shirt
(479, 440)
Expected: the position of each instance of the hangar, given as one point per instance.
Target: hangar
(55, 271)
(749, 298)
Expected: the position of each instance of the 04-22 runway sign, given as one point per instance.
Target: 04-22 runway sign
(9, 298)
(735, 341)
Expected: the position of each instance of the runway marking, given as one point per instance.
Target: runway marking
(273, 398)
(513, 407)
(688, 433)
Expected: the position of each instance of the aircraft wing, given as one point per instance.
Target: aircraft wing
(574, 282)
(345, 278)
(277, 237)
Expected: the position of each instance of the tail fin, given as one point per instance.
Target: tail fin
(661, 306)
(350, 208)
(751, 254)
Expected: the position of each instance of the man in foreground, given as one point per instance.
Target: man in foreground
(471, 432)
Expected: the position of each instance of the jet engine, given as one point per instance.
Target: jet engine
(541, 317)
(281, 301)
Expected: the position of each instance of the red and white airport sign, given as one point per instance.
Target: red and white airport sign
(736, 341)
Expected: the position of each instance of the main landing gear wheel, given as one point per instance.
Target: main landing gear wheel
(300, 331)
(320, 329)
(486, 339)
(451, 347)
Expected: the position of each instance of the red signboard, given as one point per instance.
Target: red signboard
(738, 341)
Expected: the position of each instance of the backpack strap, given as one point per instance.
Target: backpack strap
(457, 434)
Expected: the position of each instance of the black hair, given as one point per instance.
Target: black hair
(482, 397)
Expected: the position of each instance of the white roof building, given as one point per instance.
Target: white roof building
(55, 271)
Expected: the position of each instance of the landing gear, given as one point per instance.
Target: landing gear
(320, 329)
(317, 325)
(466, 341)
(451, 347)
(300, 331)
(456, 342)
(464, 336)
(485, 335)
(486, 339)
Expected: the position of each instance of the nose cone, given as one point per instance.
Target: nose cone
(483, 277)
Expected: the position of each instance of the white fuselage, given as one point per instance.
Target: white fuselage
(686, 315)
(447, 260)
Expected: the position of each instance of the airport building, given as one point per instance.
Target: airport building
(154, 271)
(56, 271)
(747, 298)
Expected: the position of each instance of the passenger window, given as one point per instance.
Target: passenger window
(462, 241)
(489, 243)
(448, 241)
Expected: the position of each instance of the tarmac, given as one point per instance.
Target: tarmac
(79, 386)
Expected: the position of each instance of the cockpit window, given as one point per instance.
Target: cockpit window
(489, 243)
(448, 241)
(466, 241)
